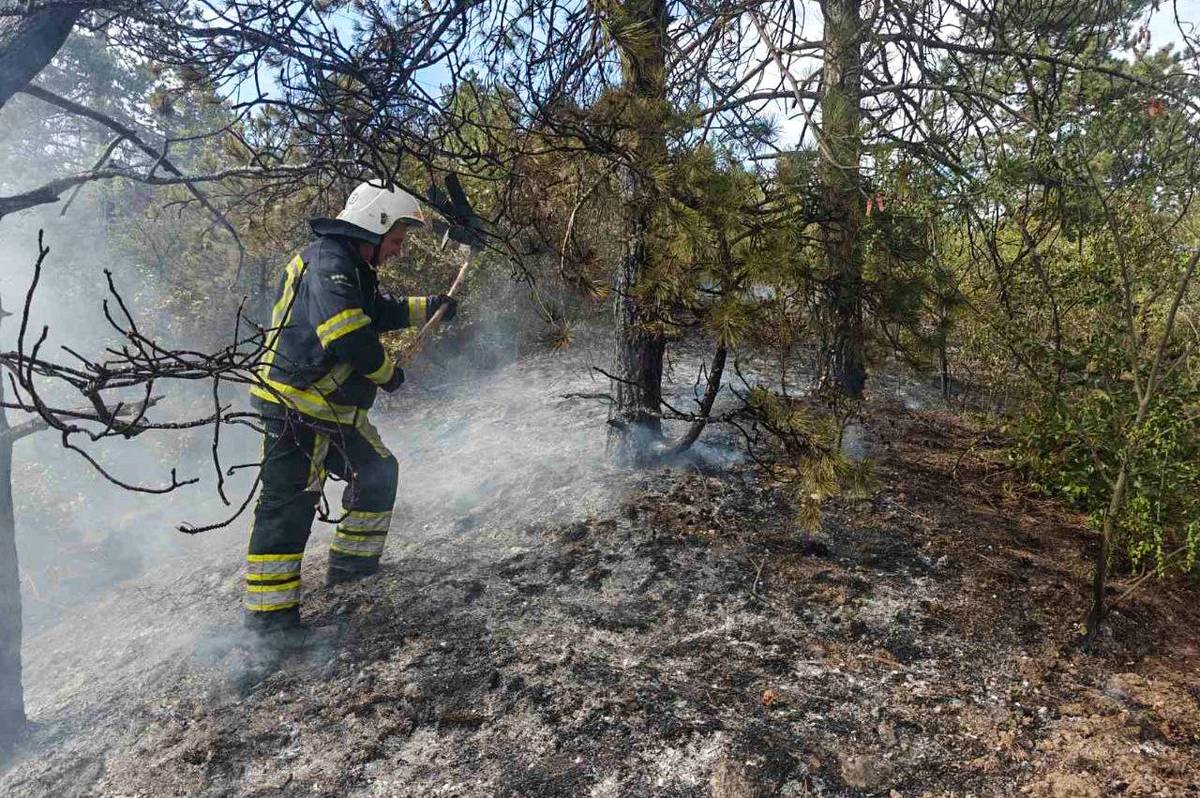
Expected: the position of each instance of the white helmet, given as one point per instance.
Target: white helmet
(375, 208)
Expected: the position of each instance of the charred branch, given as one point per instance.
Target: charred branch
(28, 42)
(138, 364)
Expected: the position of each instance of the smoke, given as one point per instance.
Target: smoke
(77, 533)
(486, 457)
(491, 461)
(491, 454)
(470, 447)
(489, 449)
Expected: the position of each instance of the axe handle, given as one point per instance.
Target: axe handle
(436, 319)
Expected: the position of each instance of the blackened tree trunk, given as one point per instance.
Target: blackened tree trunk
(12, 696)
(641, 342)
(842, 358)
(706, 404)
(29, 41)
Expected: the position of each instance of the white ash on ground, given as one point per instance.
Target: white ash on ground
(647, 634)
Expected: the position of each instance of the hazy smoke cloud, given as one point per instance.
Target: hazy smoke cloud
(78, 533)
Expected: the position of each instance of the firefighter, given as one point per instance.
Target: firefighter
(322, 367)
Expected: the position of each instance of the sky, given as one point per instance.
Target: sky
(789, 121)
(1163, 30)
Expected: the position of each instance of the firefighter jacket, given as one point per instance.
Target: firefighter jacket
(323, 357)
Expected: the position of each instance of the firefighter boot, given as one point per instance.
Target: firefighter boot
(343, 569)
(276, 633)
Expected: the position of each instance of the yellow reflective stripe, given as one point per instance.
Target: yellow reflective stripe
(366, 522)
(281, 314)
(292, 585)
(316, 463)
(306, 402)
(343, 550)
(384, 373)
(273, 557)
(333, 320)
(272, 570)
(262, 579)
(311, 401)
(362, 545)
(343, 323)
(416, 310)
(334, 379)
(371, 436)
(272, 597)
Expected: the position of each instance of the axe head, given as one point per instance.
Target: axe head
(464, 225)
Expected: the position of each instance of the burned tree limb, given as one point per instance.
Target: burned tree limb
(711, 390)
(32, 426)
(43, 195)
(100, 162)
(139, 364)
(28, 42)
(51, 190)
(131, 135)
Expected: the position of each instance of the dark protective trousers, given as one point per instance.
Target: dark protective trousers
(298, 453)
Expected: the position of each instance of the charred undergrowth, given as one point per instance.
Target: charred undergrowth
(546, 625)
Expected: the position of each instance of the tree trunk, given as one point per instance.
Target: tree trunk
(842, 360)
(12, 697)
(28, 42)
(1100, 568)
(944, 363)
(639, 345)
(641, 342)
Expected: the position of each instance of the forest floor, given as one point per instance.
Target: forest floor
(674, 636)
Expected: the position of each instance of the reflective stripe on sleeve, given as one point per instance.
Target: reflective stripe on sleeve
(384, 373)
(343, 323)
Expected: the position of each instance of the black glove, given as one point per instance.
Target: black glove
(432, 303)
(395, 382)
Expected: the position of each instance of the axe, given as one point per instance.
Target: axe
(464, 227)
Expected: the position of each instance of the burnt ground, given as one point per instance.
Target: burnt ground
(689, 641)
